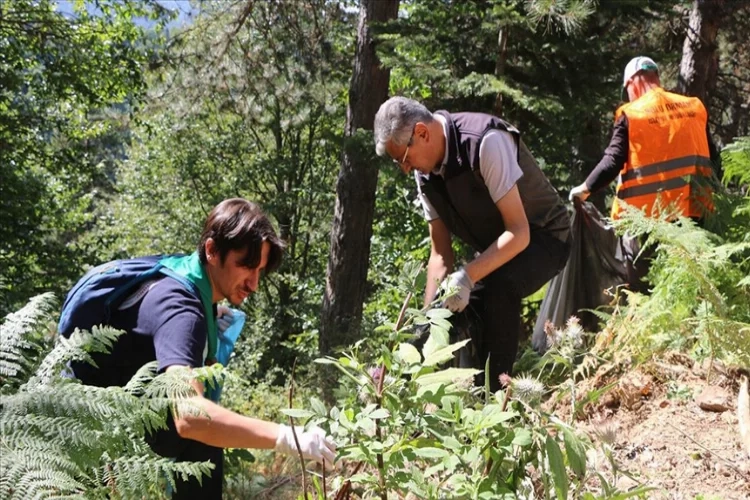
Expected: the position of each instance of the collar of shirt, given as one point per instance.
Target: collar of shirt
(444, 123)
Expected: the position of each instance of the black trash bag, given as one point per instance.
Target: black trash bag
(597, 262)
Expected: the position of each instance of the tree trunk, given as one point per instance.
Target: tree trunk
(355, 190)
(502, 55)
(700, 61)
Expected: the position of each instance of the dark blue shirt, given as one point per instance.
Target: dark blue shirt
(168, 326)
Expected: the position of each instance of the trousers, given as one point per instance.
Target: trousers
(167, 443)
(501, 296)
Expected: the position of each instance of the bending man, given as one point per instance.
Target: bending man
(479, 182)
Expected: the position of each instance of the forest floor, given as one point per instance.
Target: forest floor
(675, 428)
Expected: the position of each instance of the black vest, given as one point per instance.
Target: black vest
(461, 198)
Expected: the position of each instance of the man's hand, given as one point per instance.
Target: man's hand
(581, 192)
(460, 283)
(223, 318)
(313, 443)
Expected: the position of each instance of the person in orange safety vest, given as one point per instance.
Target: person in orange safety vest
(661, 152)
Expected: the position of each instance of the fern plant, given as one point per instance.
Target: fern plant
(62, 439)
(700, 294)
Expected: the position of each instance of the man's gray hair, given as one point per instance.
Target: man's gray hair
(395, 121)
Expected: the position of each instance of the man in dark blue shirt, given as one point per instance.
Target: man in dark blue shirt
(166, 322)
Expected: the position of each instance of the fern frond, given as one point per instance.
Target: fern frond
(75, 348)
(138, 382)
(35, 454)
(45, 483)
(58, 436)
(63, 430)
(133, 476)
(18, 345)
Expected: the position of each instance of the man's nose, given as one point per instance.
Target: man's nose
(405, 168)
(251, 283)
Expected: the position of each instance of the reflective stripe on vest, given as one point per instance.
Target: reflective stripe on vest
(656, 187)
(667, 166)
(668, 156)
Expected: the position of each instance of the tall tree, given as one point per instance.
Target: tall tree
(61, 73)
(355, 188)
(700, 59)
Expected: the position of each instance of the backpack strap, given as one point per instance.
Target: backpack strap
(189, 271)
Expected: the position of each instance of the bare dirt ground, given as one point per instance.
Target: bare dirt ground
(677, 431)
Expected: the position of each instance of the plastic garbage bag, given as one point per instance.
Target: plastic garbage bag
(597, 262)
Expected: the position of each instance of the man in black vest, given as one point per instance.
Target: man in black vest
(478, 181)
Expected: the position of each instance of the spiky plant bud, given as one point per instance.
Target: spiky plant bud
(463, 383)
(574, 331)
(606, 432)
(527, 389)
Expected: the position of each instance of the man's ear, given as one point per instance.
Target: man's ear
(211, 252)
(423, 131)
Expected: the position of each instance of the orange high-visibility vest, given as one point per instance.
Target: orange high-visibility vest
(668, 157)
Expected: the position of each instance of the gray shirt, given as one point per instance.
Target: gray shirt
(498, 164)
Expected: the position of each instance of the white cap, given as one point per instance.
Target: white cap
(640, 63)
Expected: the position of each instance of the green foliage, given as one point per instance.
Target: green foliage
(60, 76)
(449, 54)
(736, 162)
(700, 294)
(64, 439)
(416, 425)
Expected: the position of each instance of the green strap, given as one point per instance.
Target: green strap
(190, 267)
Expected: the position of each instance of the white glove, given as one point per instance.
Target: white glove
(313, 443)
(460, 285)
(581, 192)
(223, 318)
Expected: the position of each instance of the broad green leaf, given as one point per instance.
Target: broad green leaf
(445, 354)
(576, 452)
(446, 376)
(375, 447)
(366, 424)
(297, 413)
(438, 313)
(438, 339)
(497, 417)
(409, 354)
(431, 389)
(557, 467)
(380, 413)
(430, 471)
(442, 323)
(451, 443)
(522, 438)
(430, 452)
(318, 406)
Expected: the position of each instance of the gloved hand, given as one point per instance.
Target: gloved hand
(313, 443)
(459, 283)
(223, 318)
(581, 192)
